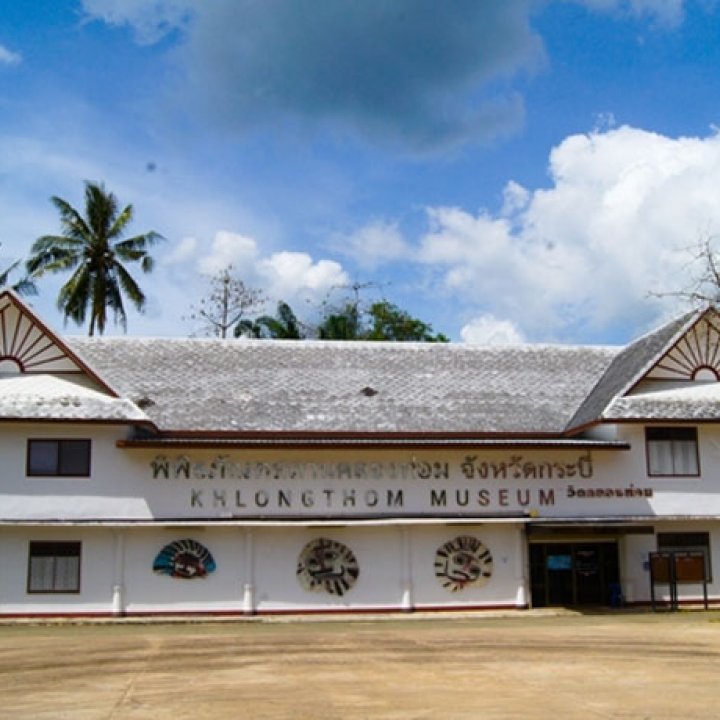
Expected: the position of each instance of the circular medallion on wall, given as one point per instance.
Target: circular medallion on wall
(462, 562)
(327, 566)
(184, 559)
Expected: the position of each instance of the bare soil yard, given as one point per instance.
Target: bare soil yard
(630, 666)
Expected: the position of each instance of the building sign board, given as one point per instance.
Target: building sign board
(469, 485)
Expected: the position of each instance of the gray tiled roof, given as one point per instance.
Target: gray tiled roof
(695, 402)
(215, 385)
(42, 396)
(626, 369)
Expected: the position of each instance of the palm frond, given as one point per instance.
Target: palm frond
(72, 223)
(113, 300)
(73, 297)
(53, 253)
(120, 222)
(248, 329)
(139, 243)
(5, 275)
(130, 287)
(25, 286)
(100, 209)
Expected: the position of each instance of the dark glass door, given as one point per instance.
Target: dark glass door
(574, 573)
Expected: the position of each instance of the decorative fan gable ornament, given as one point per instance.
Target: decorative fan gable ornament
(695, 356)
(27, 346)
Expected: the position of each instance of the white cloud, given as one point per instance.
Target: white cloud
(292, 274)
(488, 330)
(8, 57)
(228, 249)
(374, 244)
(587, 251)
(294, 277)
(150, 19)
(181, 252)
(515, 199)
(281, 275)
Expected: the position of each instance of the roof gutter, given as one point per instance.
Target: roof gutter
(339, 442)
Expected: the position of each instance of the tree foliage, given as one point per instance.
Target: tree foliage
(283, 326)
(231, 304)
(389, 322)
(383, 321)
(94, 248)
(23, 286)
(343, 324)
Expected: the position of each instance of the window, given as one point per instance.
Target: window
(683, 542)
(54, 567)
(58, 457)
(672, 451)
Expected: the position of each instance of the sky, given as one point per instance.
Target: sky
(508, 171)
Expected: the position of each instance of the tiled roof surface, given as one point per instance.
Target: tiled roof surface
(49, 397)
(626, 368)
(697, 401)
(312, 386)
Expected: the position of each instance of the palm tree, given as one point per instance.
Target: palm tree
(24, 286)
(93, 247)
(284, 326)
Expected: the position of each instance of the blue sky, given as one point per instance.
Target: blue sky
(512, 171)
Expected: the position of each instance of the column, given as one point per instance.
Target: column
(406, 602)
(249, 584)
(521, 568)
(118, 590)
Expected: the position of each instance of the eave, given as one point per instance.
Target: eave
(341, 441)
(610, 521)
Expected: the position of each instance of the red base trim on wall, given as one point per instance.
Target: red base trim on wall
(260, 613)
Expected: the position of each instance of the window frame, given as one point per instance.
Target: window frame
(60, 443)
(669, 431)
(63, 549)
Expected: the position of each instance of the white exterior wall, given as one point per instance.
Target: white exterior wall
(256, 566)
(637, 585)
(96, 572)
(122, 486)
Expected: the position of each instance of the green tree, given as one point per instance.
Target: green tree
(382, 321)
(93, 246)
(343, 324)
(284, 326)
(388, 322)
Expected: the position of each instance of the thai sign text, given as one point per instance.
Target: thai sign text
(514, 467)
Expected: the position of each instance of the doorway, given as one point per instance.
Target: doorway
(573, 573)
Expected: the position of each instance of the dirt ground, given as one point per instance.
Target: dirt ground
(632, 666)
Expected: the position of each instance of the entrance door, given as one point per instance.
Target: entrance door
(575, 573)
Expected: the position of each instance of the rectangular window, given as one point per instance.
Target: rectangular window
(66, 458)
(682, 542)
(672, 451)
(54, 567)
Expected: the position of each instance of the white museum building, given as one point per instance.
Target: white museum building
(173, 476)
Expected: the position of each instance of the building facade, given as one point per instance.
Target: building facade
(157, 476)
